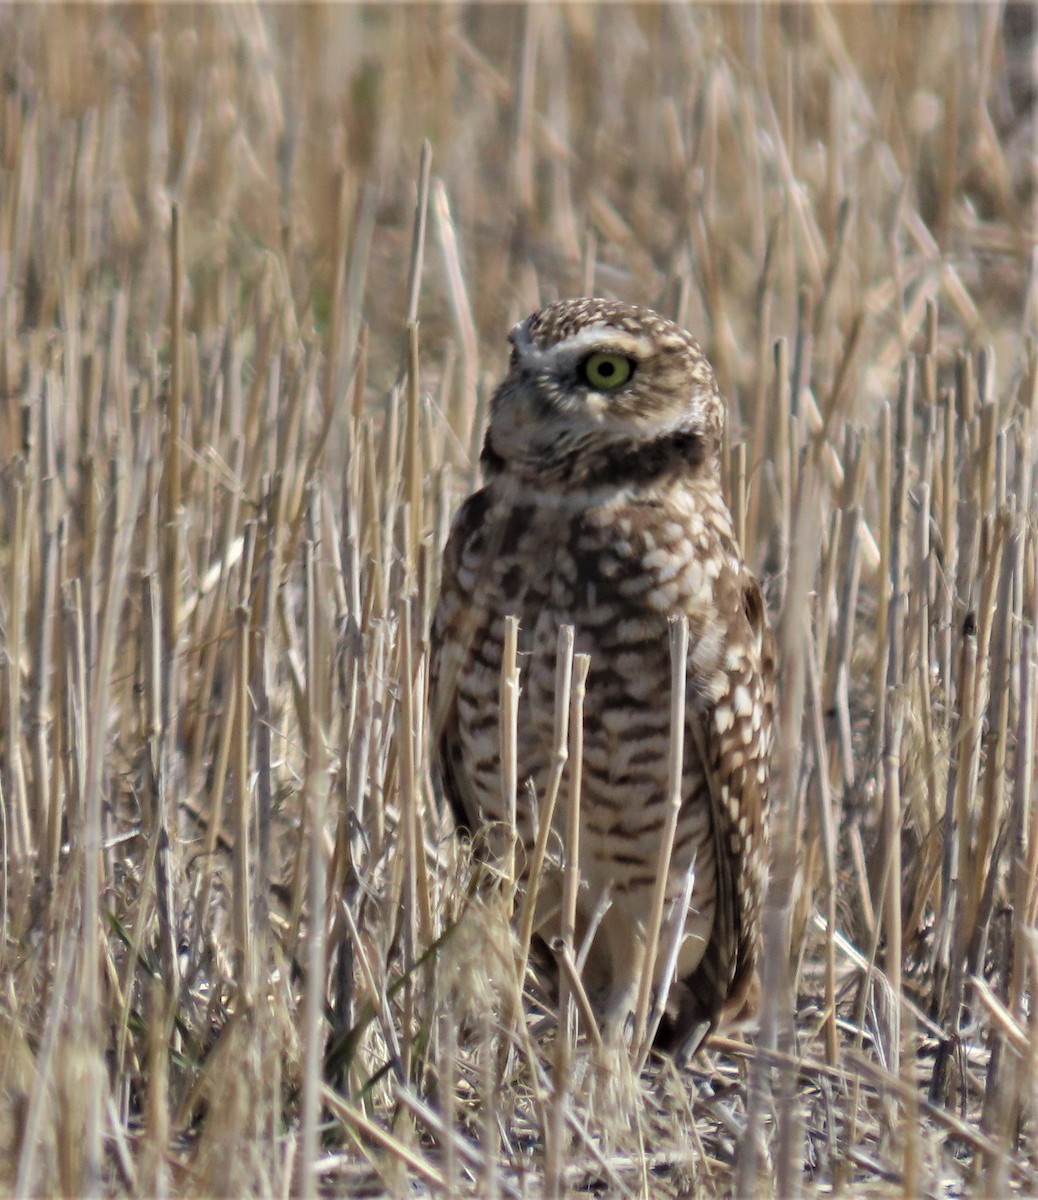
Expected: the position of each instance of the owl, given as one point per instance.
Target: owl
(602, 509)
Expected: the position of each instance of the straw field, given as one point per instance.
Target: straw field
(257, 266)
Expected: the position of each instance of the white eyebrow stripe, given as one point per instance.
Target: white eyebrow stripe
(588, 338)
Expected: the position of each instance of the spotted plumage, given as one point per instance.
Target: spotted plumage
(602, 508)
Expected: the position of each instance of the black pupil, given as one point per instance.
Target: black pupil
(606, 369)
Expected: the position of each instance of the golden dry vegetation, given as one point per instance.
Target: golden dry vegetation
(256, 270)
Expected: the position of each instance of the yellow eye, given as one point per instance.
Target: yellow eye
(606, 371)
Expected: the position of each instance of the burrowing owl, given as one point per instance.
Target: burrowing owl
(602, 509)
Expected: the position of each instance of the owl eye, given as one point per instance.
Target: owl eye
(606, 371)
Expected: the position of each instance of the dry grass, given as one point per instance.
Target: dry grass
(247, 329)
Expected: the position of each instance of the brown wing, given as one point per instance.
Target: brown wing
(455, 623)
(734, 742)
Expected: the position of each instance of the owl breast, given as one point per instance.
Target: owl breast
(616, 571)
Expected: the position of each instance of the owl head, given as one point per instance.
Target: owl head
(602, 392)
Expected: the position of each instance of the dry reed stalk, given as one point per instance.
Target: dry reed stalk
(569, 973)
(828, 848)
(91, 1014)
(479, 419)
(417, 897)
(215, 815)
(293, 494)
(75, 691)
(255, 711)
(41, 1093)
(556, 1142)
(737, 494)
(972, 846)
(413, 490)
(844, 642)
(240, 814)
(455, 1146)
(546, 808)
(172, 511)
(491, 1135)
(337, 352)
(521, 177)
(19, 822)
(421, 212)
(49, 661)
(353, 1119)
(571, 837)
(461, 309)
(447, 1049)
(154, 1170)
(992, 828)
(316, 786)
(891, 915)
(1025, 788)
(825, 593)
(378, 993)
(641, 1040)
(775, 1021)
(783, 451)
(156, 821)
(509, 734)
